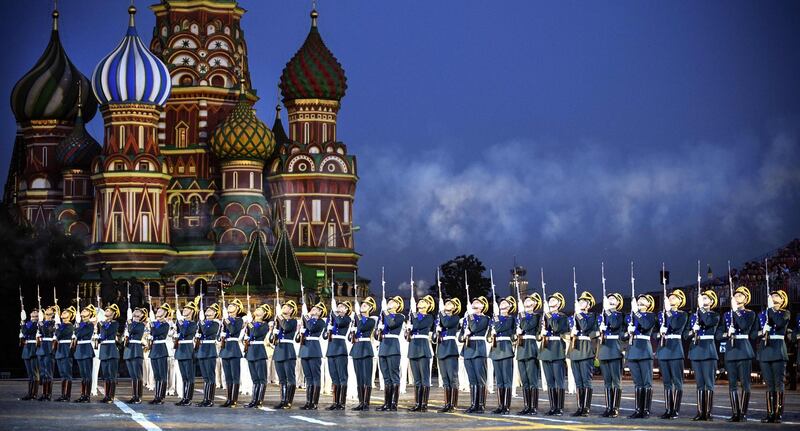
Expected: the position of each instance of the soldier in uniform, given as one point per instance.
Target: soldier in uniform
(159, 331)
(45, 351)
(612, 327)
(447, 353)
(502, 353)
(84, 352)
(528, 330)
(63, 338)
(741, 326)
(27, 338)
(703, 353)
(420, 353)
(389, 352)
(134, 353)
(474, 328)
(553, 354)
(230, 353)
(363, 353)
(670, 353)
(640, 353)
(207, 353)
(582, 353)
(284, 356)
(184, 353)
(311, 354)
(109, 353)
(337, 353)
(256, 353)
(772, 355)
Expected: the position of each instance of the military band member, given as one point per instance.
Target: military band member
(640, 353)
(284, 356)
(231, 353)
(528, 330)
(27, 337)
(109, 353)
(206, 354)
(363, 353)
(159, 331)
(703, 353)
(389, 352)
(447, 353)
(184, 353)
(772, 355)
(420, 352)
(612, 327)
(311, 354)
(256, 353)
(45, 351)
(84, 353)
(63, 338)
(134, 353)
(553, 354)
(337, 353)
(475, 326)
(670, 353)
(502, 353)
(582, 353)
(741, 325)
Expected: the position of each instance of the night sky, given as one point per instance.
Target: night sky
(560, 133)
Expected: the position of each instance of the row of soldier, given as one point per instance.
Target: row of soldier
(539, 340)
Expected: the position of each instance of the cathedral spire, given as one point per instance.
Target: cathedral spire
(314, 13)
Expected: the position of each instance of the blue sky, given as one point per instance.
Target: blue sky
(562, 133)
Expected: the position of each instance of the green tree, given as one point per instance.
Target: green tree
(452, 278)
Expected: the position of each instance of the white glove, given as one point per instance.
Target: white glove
(603, 327)
(330, 328)
(519, 331)
(731, 330)
(634, 307)
(696, 327)
(734, 303)
(576, 307)
(663, 330)
(606, 305)
(767, 328)
(247, 318)
(631, 329)
(574, 331)
(667, 306)
(468, 332)
(770, 304)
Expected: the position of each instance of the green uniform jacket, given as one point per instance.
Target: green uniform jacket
(504, 328)
(774, 349)
(745, 324)
(587, 326)
(612, 341)
(557, 326)
(677, 331)
(530, 325)
(706, 346)
(640, 341)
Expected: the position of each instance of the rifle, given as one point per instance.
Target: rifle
(574, 311)
(202, 313)
(545, 311)
(129, 313)
(101, 317)
(633, 299)
(378, 335)
(520, 307)
(300, 336)
(333, 305)
(602, 333)
(22, 317)
(464, 337)
(41, 317)
(491, 337)
(664, 311)
(438, 337)
(273, 338)
(730, 285)
(412, 307)
(57, 316)
(357, 309)
(699, 301)
(767, 303)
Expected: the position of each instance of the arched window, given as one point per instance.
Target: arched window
(176, 213)
(200, 286)
(306, 133)
(194, 205)
(183, 287)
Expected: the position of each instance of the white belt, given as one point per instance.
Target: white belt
(554, 339)
(391, 336)
(358, 340)
(706, 337)
(612, 337)
(84, 341)
(742, 337)
(134, 341)
(418, 336)
(673, 336)
(339, 337)
(232, 339)
(185, 341)
(642, 337)
(584, 338)
(48, 339)
(156, 341)
(312, 338)
(776, 337)
(528, 337)
(108, 342)
(448, 337)
(209, 341)
(256, 343)
(286, 341)
(64, 341)
(30, 341)
(502, 338)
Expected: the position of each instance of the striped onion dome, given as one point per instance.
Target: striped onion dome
(242, 135)
(79, 148)
(131, 73)
(313, 72)
(49, 91)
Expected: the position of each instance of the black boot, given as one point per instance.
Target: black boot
(501, 400)
(234, 396)
(735, 411)
(134, 389)
(609, 396)
(308, 399)
(709, 405)
(587, 402)
(208, 395)
(107, 390)
(387, 399)
(778, 416)
(507, 406)
(526, 399)
(534, 402)
(744, 406)
(360, 406)
(617, 401)
(448, 406)
(579, 401)
(29, 394)
(480, 396)
(342, 397)
(668, 404)
(47, 390)
(63, 396)
(254, 400)
(454, 399)
(83, 392)
(676, 404)
(648, 402)
(315, 397)
(638, 404)
(289, 397)
(417, 399)
(335, 395)
(560, 393)
(228, 397)
(284, 391)
(701, 407)
(551, 396)
(473, 399)
(367, 396)
(395, 398)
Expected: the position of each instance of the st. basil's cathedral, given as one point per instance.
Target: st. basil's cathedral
(189, 187)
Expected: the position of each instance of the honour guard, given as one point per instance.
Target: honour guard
(45, 351)
(448, 353)
(612, 328)
(741, 326)
(703, 353)
(389, 352)
(582, 352)
(134, 353)
(64, 334)
(231, 353)
(772, 355)
(184, 353)
(311, 354)
(474, 328)
(159, 331)
(109, 353)
(363, 353)
(337, 353)
(207, 353)
(420, 353)
(27, 337)
(641, 324)
(553, 355)
(256, 353)
(674, 329)
(502, 353)
(284, 356)
(84, 352)
(528, 330)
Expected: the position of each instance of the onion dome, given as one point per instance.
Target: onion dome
(131, 73)
(242, 135)
(49, 91)
(313, 72)
(79, 148)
